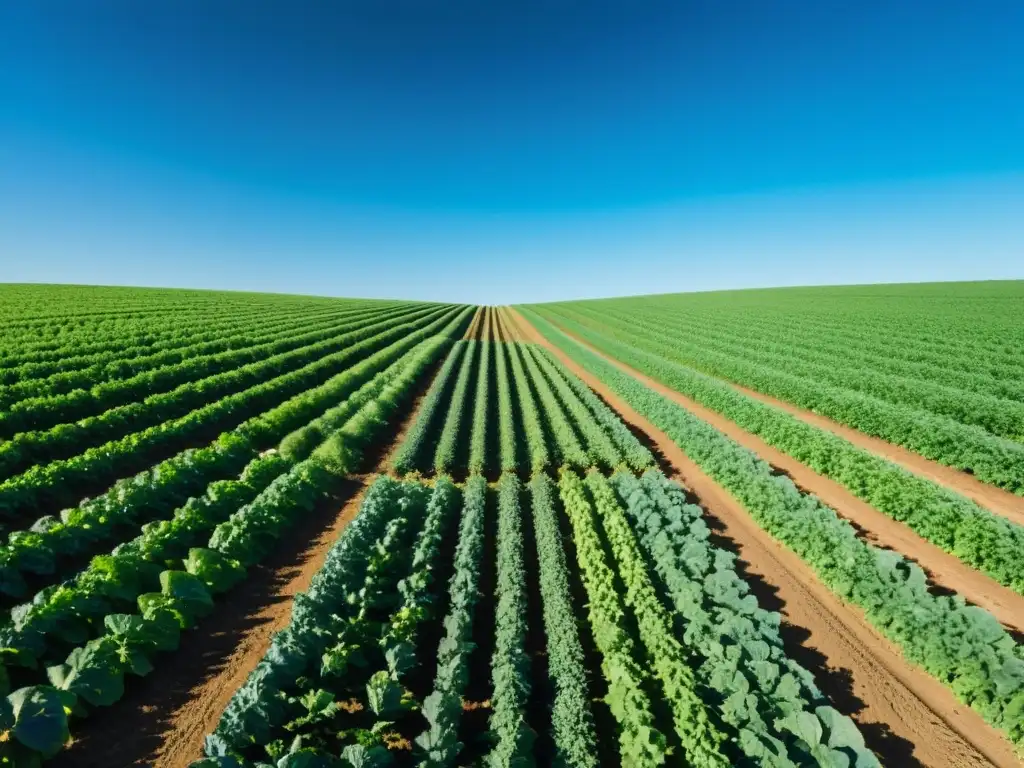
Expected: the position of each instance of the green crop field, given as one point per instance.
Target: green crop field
(755, 528)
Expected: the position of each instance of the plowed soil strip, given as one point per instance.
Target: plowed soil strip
(944, 570)
(164, 718)
(907, 716)
(994, 499)
(473, 332)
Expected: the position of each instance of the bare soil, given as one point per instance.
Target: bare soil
(164, 718)
(944, 571)
(907, 717)
(997, 500)
(476, 324)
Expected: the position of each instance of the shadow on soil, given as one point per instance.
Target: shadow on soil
(130, 732)
(835, 683)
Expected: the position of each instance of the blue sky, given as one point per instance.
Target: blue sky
(510, 151)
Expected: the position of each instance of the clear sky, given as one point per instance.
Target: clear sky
(496, 151)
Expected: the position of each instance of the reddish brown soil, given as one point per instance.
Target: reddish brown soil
(476, 324)
(994, 499)
(944, 570)
(907, 716)
(162, 721)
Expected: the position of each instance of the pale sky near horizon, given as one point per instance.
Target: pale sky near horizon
(509, 152)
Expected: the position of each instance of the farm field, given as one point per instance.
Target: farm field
(776, 527)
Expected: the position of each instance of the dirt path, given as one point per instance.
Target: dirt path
(996, 500)
(162, 720)
(906, 716)
(944, 570)
(476, 324)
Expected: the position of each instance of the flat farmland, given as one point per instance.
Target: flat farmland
(777, 527)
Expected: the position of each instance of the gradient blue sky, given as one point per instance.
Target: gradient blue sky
(510, 151)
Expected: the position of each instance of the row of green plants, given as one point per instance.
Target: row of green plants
(565, 443)
(321, 643)
(28, 449)
(63, 482)
(354, 637)
(701, 738)
(999, 416)
(572, 722)
(40, 552)
(458, 412)
(508, 458)
(981, 539)
(44, 409)
(43, 343)
(542, 411)
(600, 447)
(535, 440)
(482, 404)
(864, 351)
(970, 332)
(771, 703)
(962, 646)
(438, 743)
(418, 442)
(511, 735)
(992, 459)
(129, 643)
(641, 743)
(126, 360)
(59, 370)
(93, 349)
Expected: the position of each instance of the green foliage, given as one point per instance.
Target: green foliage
(531, 419)
(701, 739)
(333, 619)
(996, 460)
(62, 481)
(572, 723)
(600, 447)
(478, 458)
(444, 457)
(962, 646)
(566, 443)
(510, 666)
(981, 539)
(742, 659)
(439, 745)
(507, 451)
(640, 743)
(417, 440)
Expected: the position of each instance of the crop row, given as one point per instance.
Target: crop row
(979, 538)
(59, 483)
(964, 647)
(851, 345)
(27, 449)
(40, 555)
(998, 416)
(673, 625)
(35, 404)
(86, 344)
(545, 417)
(118, 625)
(995, 460)
(76, 366)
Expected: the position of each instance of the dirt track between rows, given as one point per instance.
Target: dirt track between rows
(994, 499)
(943, 569)
(163, 720)
(907, 716)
